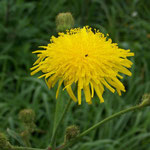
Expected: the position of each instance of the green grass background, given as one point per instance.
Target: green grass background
(26, 24)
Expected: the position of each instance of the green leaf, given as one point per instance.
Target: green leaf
(16, 136)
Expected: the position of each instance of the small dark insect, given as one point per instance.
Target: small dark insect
(86, 55)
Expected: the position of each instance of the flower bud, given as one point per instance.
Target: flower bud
(64, 21)
(4, 143)
(27, 116)
(145, 100)
(71, 132)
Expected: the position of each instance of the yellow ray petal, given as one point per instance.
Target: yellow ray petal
(117, 84)
(110, 81)
(42, 76)
(38, 60)
(119, 92)
(99, 94)
(87, 93)
(38, 51)
(71, 94)
(101, 88)
(79, 95)
(35, 71)
(80, 86)
(92, 89)
(34, 67)
(107, 85)
(118, 75)
(52, 81)
(124, 70)
(59, 85)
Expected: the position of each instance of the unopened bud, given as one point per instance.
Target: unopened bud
(145, 100)
(27, 116)
(64, 21)
(4, 143)
(71, 132)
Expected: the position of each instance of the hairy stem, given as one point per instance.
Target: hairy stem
(99, 124)
(58, 124)
(26, 148)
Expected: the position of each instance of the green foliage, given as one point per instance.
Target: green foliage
(25, 25)
(4, 144)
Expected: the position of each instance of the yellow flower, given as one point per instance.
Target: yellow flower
(86, 58)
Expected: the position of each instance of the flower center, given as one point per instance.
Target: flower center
(86, 55)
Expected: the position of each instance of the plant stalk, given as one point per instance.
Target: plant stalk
(26, 148)
(99, 124)
(58, 124)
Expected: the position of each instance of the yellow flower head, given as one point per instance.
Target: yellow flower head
(86, 58)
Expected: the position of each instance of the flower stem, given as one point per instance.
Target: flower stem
(99, 124)
(58, 124)
(26, 148)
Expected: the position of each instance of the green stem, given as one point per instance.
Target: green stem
(27, 142)
(26, 138)
(26, 148)
(99, 124)
(58, 124)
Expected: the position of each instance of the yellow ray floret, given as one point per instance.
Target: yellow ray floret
(86, 58)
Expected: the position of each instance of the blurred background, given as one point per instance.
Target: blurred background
(27, 24)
